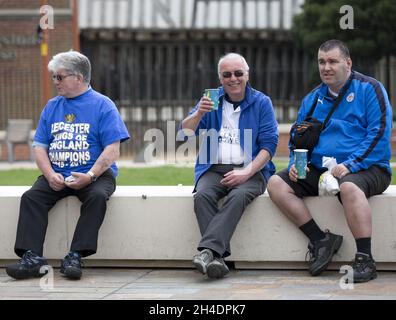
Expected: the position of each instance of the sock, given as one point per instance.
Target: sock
(34, 253)
(364, 245)
(215, 254)
(312, 231)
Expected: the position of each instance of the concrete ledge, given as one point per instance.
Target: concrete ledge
(156, 226)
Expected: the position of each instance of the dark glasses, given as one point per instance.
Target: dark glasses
(60, 77)
(228, 74)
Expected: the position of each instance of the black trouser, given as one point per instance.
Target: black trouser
(36, 203)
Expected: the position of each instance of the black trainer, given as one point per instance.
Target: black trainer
(217, 268)
(202, 260)
(364, 268)
(322, 251)
(31, 265)
(71, 266)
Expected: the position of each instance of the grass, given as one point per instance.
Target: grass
(165, 175)
(160, 176)
(18, 177)
(157, 176)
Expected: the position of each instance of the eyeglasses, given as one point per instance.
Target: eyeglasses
(228, 74)
(60, 77)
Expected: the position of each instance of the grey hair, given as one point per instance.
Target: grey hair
(232, 55)
(73, 62)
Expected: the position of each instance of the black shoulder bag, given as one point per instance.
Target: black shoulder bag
(306, 134)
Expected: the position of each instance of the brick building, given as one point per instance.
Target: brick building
(20, 58)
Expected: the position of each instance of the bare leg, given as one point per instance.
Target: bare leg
(357, 210)
(284, 197)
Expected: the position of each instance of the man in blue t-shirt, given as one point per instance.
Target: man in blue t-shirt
(357, 135)
(76, 144)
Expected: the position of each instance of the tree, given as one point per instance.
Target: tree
(373, 35)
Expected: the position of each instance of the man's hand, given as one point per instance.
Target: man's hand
(293, 173)
(340, 171)
(80, 181)
(205, 105)
(56, 181)
(236, 177)
(192, 121)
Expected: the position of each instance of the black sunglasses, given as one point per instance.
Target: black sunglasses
(228, 74)
(60, 77)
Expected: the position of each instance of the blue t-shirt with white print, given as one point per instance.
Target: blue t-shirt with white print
(76, 131)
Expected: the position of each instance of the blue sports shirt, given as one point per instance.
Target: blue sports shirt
(359, 131)
(76, 130)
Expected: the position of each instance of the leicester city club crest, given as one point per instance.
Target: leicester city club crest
(350, 97)
(70, 118)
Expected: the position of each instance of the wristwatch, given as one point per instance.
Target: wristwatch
(92, 175)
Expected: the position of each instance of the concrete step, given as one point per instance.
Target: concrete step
(154, 225)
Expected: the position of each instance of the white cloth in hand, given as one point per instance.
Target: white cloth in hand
(328, 185)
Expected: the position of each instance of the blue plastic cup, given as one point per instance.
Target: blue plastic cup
(300, 162)
(213, 94)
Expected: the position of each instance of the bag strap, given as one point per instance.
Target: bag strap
(311, 111)
(336, 102)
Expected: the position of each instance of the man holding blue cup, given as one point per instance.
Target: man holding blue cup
(241, 134)
(301, 162)
(348, 117)
(213, 96)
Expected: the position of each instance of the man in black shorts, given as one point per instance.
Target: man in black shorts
(358, 136)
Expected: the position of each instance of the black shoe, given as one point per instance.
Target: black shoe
(202, 260)
(364, 268)
(31, 265)
(217, 268)
(71, 266)
(322, 251)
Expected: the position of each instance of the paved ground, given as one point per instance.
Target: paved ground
(188, 284)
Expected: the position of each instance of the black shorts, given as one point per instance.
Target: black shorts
(372, 181)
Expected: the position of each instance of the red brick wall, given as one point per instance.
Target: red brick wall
(20, 61)
(20, 71)
(21, 152)
(283, 150)
(32, 4)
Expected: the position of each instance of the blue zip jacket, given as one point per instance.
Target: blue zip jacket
(358, 133)
(257, 114)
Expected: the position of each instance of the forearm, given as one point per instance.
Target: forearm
(106, 159)
(259, 162)
(192, 121)
(42, 161)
